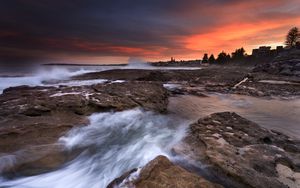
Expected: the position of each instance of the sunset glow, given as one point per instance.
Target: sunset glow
(47, 31)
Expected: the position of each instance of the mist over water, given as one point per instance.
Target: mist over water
(37, 77)
(62, 74)
(138, 63)
(112, 144)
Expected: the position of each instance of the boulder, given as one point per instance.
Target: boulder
(239, 150)
(161, 173)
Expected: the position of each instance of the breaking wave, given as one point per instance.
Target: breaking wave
(112, 144)
(39, 77)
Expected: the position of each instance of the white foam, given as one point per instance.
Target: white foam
(39, 77)
(118, 81)
(7, 162)
(171, 86)
(112, 144)
(79, 82)
(63, 94)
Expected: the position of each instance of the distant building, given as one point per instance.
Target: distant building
(279, 48)
(262, 51)
(265, 51)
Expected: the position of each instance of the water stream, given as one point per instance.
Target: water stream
(112, 144)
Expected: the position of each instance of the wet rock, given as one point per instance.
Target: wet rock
(184, 89)
(34, 160)
(161, 173)
(240, 150)
(40, 115)
(296, 72)
(288, 176)
(261, 85)
(37, 110)
(286, 71)
(216, 74)
(125, 177)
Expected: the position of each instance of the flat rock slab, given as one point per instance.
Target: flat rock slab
(261, 85)
(217, 74)
(240, 150)
(222, 78)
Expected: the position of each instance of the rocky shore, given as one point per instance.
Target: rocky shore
(245, 80)
(233, 152)
(33, 118)
(220, 150)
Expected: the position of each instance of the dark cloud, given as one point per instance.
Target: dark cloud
(32, 30)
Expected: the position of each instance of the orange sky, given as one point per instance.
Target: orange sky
(247, 35)
(101, 32)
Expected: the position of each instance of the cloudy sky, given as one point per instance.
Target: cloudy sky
(111, 31)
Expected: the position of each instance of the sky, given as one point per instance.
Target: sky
(115, 31)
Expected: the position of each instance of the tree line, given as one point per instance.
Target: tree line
(292, 41)
(223, 57)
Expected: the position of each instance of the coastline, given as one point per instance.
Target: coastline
(52, 111)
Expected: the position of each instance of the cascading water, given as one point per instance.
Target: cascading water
(112, 144)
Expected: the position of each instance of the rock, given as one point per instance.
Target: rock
(188, 90)
(288, 176)
(296, 72)
(161, 173)
(285, 63)
(35, 160)
(261, 85)
(297, 67)
(123, 179)
(286, 71)
(35, 116)
(239, 150)
(35, 110)
(218, 74)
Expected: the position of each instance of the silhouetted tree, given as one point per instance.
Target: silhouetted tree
(205, 58)
(212, 59)
(228, 58)
(292, 37)
(298, 45)
(239, 54)
(223, 57)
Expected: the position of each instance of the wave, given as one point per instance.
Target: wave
(40, 76)
(112, 144)
(137, 63)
